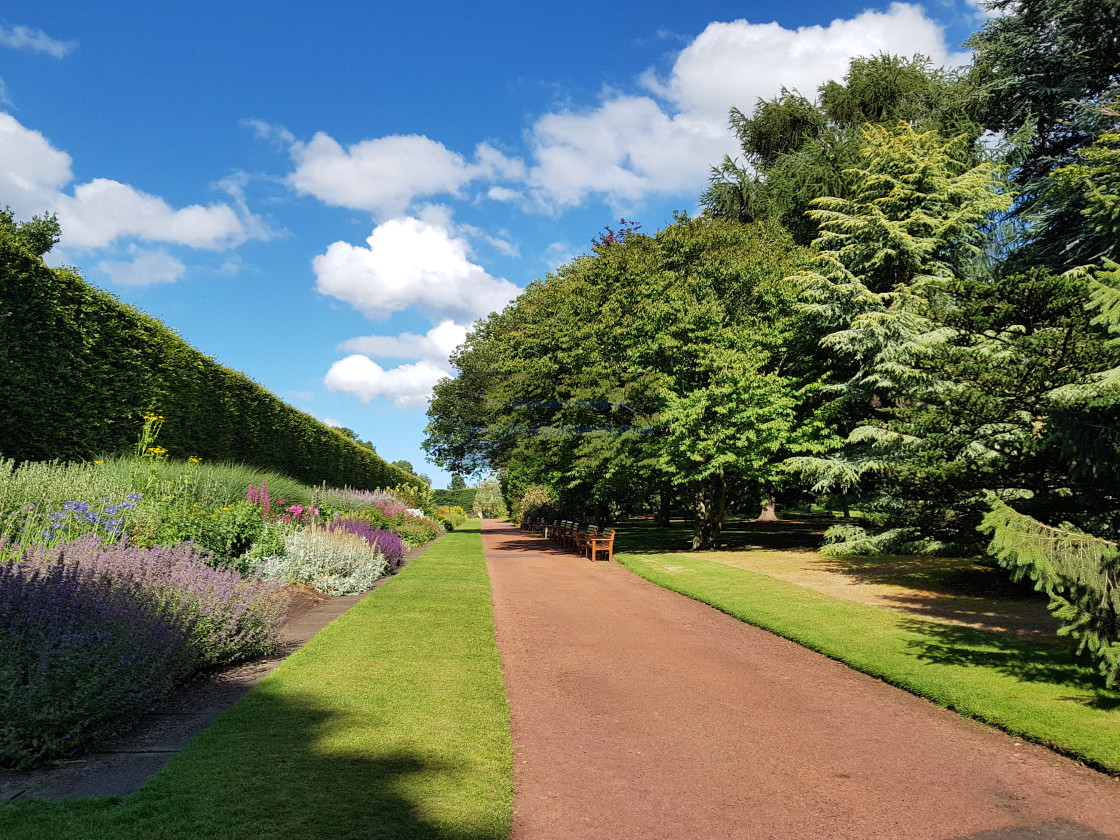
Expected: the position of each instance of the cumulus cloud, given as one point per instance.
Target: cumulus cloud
(631, 147)
(436, 346)
(146, 268)
(34, 176)
(104, 210)
(32, 171)
(385, 175)
(407, 386)
(409, 263)
(739, 62)
(622, 151)
(25, 38)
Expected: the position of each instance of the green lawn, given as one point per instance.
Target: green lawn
(391, 723)
(1040, 692)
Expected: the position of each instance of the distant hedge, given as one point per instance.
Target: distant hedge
(78, 368)
(450, 498)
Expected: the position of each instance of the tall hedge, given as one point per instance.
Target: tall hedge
(78, 368)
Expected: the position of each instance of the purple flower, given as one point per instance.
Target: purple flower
(389, 544)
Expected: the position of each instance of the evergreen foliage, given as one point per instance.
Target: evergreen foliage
(1080, 573)
(795, 150)
(957, 368)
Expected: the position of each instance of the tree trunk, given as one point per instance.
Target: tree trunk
(769, 509)
(664, 501)
(711, 500)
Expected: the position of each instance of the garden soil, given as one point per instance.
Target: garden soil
(639, 713)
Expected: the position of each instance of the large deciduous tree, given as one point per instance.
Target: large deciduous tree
(657, 364)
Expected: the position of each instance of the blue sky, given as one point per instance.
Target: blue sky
(325, 196)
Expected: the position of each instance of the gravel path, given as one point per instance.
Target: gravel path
(638, 713)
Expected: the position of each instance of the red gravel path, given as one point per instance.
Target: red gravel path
(639, 714)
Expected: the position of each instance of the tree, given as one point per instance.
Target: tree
(1037, 64)
(796, 150)
(656, 362)
(960, 365)
(1080, 573)
(457, 482)
(488, 501)
(1043, 69)
(38, 235)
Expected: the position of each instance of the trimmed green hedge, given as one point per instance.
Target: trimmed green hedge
(450, 498)
(78, 368)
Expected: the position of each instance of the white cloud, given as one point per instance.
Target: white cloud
(623, 151)
(386, 175)
(436, 346)
(32, 171)
(631, 147)
(34, 175)
(277, 134)
(102, 211)
(739, 62)
(146, 268)
(330, 421)
(411, 263)
(24, 38)
(407, 386)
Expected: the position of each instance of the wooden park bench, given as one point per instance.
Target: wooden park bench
(581, 538)
(597, 545)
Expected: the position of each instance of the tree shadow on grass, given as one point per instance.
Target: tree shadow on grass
(644, 537)
(1025, 661)
(277, 767)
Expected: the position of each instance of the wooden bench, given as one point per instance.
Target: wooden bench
(598, 545)
(581, 538)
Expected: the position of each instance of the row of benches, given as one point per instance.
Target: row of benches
(570, 535)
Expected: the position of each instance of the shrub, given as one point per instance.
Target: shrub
(462, 498)
(453, 516)
(536, 496)
(390, 545)
(81, 655)
(415, 530)
(270, 543)
(226, 532)
(333, 562)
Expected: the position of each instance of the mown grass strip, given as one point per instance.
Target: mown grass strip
(391, 723)
(1039, 692)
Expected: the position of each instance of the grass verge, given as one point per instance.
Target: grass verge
(391, 723)
(1039, 692)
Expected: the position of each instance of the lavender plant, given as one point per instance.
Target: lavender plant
(81, 655)
(231, 618)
